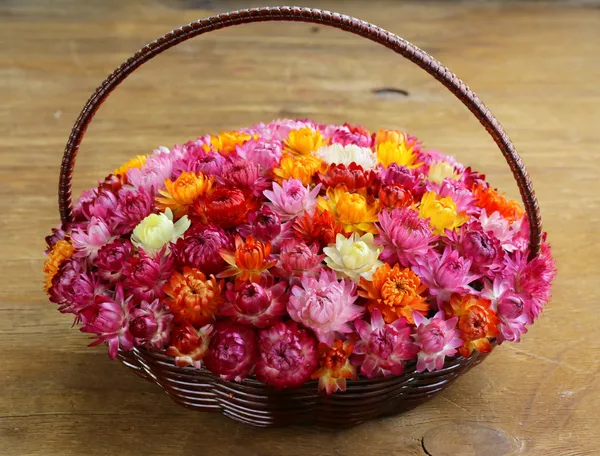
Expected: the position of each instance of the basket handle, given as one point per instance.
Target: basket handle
(297, 14)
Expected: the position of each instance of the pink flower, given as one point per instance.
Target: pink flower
(109, 321)
(287, 355)
(199, 248)
(263, 224)
(482, 248)
(266, 153)
(102, 205)
(411, 179)
(513, 316)
(344, 136)
(152, 175)
(151, 324)
(436, 339)
(383, 348)
(132, 207)
(246, 175)
(404, 235)
(501, 229)
(325, 305)
(145, 276)
(258, 304)
(189, 345)
(111, 259)
(445, 274)
(296, 259)
(232, 351)
(455, 189)
(292, 198)
(88, 240)
(58, 234)
(198, 160)
(74, 289)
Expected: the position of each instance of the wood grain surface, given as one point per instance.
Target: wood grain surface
(536, 65)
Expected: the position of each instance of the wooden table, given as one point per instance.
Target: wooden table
(536, 65)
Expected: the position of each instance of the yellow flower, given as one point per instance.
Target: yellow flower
(135, 162)
(442, 170)
(354, 257)
(181, 193)
(302, 167)
(350, 209)
(226, 142)
(61, 251)
(303, 141)
(400, 153)
(157, 230)
(441, 212)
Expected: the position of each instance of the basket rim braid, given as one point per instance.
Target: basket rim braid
(251, 401)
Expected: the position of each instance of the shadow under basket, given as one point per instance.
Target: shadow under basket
(254, 403)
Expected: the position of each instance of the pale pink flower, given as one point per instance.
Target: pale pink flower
(151, 324)
(296, 259)
(245, 175)
(513, 315)
(404, 236)
(436, 338)
(89, 239)
(292, 199)
(152, 175)
(109, 321)
(287, 355)
(258, 304)
(445, 274)
(266, 153)
(382, 348)
(325, 305)
(508, 234)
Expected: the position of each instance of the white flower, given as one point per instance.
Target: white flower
(441, 170)
(354, 257)
(344, 155)
(156, 230)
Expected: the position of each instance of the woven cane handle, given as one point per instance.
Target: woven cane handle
(296, 14)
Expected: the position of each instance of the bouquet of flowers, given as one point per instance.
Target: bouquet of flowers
(294, 251)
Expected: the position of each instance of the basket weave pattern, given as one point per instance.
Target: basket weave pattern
(251, 402)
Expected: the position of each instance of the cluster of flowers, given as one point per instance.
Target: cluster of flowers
(297, 251)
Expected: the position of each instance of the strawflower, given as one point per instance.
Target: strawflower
(227, 142)
(441, 212)
(158, 230)
(399, 153)
(199, 248)
(291, 198)
(353, 176)
(442, 170)
(151, 324)
(303, 141)
(303, 167)
(61, 251)
(249, 260)
(297, 259)
(352, 210)
(111, 259)
(181, 193)
(396, 292)
(136, 162)
(489, 199)
(88, 240)
(146, 275)
(189, 345)
(225, 207)
(339, 154)
(320, 227)
(436, 338)
(232, 352)
(353, 257)
(335, 367)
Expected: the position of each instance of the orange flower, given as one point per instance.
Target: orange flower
(135, 162)
(303, 141)
(183, 192)
(395, 292)
(226, 142)
(250, 259)
(477, 322)
(303, 167)
(192, 297)
(394, 136)
(61, 251)
(352, 210)
(319, 227)
(335, 366)
(490, 200)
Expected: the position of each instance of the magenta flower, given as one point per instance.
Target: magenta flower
(200, 246)
(132, 207)
(255, 303)
(482, 248)
(110, 322)
(265, 153)
(246, 175)
(263, 224)
(514, 315)
(445, 274)
(89, 239)
(74, 289)
(145, 276)
(111, 259)
(151, 324)
(344, 136)
(296, 259)
(325, 305)
(102, 206)
(292, 199)
(287, 355)
(382, 348)
(232, 351)
(58, 234)
(411, 179)
(197, 159)
(404, 236)
(436, 339)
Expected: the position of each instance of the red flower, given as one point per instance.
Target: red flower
(392, 196)
(189, 345)
(352, 176)
(224, 207)
(318, 227)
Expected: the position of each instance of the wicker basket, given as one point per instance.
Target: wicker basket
(251, 401)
